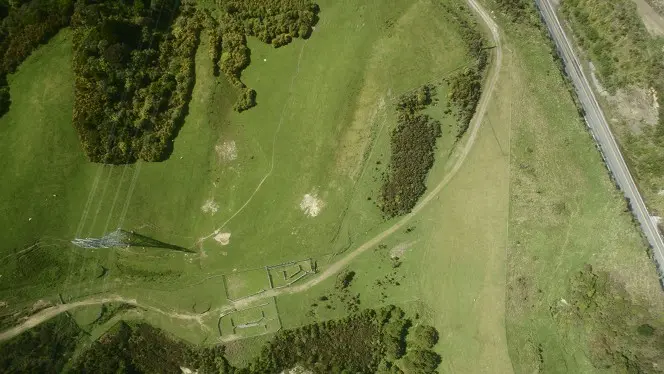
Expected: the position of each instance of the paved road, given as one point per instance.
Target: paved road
(600, 129)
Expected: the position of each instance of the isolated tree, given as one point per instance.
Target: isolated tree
(424, 336)
(420, 362)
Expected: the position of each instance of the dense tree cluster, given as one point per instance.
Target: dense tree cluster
(134, 61)
(134, 66)
(5, 99)
(350, 345)
(274, 22)
(246, 100)
(133, 349)
(46, 348)
(623, 336)
(413, 142)
(24, 24)
(214, 34)
(269, 20)
(424, 336)
(367, 342)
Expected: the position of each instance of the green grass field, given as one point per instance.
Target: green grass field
(295, 180)
(287, 180)
(564, 212)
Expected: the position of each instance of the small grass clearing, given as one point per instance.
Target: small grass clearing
(246, 283)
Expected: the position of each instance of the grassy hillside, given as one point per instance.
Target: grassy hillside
(615, 39)
(271, 195)
(565, 213)
(447, 264)
(296, 177)
(628, 62)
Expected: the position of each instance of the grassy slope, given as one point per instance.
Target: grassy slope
(45, 93)
(163, 200)
(35, 202)
(453, 267)
(332, 75)
(617, 42)
(564, 212)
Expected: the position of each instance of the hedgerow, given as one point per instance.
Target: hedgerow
(466, 85)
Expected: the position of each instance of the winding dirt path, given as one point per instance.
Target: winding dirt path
(50, 312)
(333, 269)
(461, 157)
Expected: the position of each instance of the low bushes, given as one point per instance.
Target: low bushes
(466, 85)
(465, 93)
(413, 142)
(616, 40)
(519, 11)
(623, 336)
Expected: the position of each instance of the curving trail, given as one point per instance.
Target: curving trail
(333, 269)
(50, 312)
(474, 129)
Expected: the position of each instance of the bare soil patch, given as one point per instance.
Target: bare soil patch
(400, 249)
(39, 305)
(223, 238)
(653, 21)
(210, 207)
(638, 106)
(311, 205)
(226, 151)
